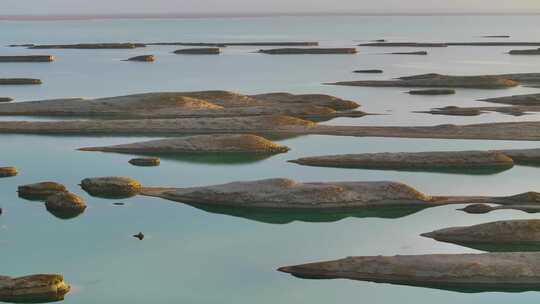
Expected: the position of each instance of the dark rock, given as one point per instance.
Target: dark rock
(477, 209)
(433, 92)
(6, 99)
(8, 171)
(145, 161)
(19, 81)
(225, 44)
(410, 53)
(39, 288)
(65, 201)
(454, 111)
(111, 187)
(27, 58)
(369, 71)
(403, 44)
(525, 52)
(40, 191)
(139, 236)
(496, 36)
(89, 46)
(143, 58)
(199, 51)
(294, 51)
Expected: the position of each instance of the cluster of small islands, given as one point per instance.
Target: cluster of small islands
(230, 123)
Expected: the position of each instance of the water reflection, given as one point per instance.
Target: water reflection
(279, 216)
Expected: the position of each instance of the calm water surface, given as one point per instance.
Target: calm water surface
(196, 256)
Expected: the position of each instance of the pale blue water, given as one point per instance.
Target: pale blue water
(194, 256)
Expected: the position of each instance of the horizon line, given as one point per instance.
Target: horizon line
(197, 15)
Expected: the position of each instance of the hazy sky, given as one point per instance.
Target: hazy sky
(259, 6)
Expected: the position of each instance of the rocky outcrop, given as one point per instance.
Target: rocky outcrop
(145, 161)
(143, 58)
(474, 111)
(219, 143)
(516, 235)
(191, 104)
(527, 202)
(283, 193)
(40, 191)
(459, 161)
(453, 111)
(525, 52)
(37, 288)
(403, 44)
(65, 201)
(432, 92)
(516, 100)
(111, 187)
(88, 46)
(465, 272)
(225, 44)
(496, 36)
(445, 44)
(199, 51)
(297, 51)
(19, 81)
(437, 80)
(65, 205)
(409, 53)
(8, 171)
(6, 99)
(27, 58)
(369, 71)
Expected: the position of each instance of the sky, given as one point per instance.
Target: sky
(20, 7)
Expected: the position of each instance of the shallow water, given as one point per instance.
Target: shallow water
(196, 256)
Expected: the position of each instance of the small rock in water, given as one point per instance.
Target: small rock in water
(6, 99)
(145, 162)
(372, 71)
(111, 187)
(65, 201)
(143, 58)
(477, 209)
(139, 235)
(40, 191)
(119, 204)
(8, 171)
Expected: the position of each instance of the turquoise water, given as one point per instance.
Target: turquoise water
(197, 256)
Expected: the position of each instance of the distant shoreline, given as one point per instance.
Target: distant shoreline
(82, 17)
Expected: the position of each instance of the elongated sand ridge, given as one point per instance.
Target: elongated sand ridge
(37, 288)
(225, 44)
(437, 80)
(445, 44)
(510, 235)
(27, 58)
(220, 143)
(274, 124)
(190, 104)
(127, 45)
(465, 272)
(416, 161)
(293, 51)
(19, 81)
(516, 100)
(525, 52)
(282, 193)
